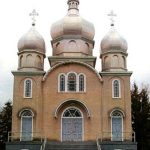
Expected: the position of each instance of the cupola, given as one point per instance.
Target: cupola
(32, 41)
(113, 42)
(113, 50)
(72, 35)
(31, 49)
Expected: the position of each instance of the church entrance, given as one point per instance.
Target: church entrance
(72, 125)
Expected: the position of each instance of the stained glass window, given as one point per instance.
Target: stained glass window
(28, 88)
(71, 82)
(62, 83)
(81, 83)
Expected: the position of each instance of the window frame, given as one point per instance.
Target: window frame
(119, 89)
(84, 84)
(122, 121)
(21, 116)
(28, 79)
(59, 82)
(77, 82)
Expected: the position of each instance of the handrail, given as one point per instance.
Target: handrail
(98, 145)
(120, 136)
(43, 144)
(17, 136)
(45, 140)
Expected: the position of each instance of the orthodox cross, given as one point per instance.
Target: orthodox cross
(112, 15)
(33, 14)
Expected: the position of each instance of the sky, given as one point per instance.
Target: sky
(132, 22)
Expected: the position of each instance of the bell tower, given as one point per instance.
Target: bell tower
(116, 83)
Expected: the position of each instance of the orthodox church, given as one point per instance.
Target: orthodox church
(72, 102)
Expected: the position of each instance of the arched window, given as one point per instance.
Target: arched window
(26, 125)
(116, 89)
(72, 112)
(81, 83)
(117, 125)
(28, 88)
(62, 82)
(71, 82)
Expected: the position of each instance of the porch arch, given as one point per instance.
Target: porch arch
(72, 102)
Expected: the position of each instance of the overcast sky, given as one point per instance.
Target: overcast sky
(132, 21)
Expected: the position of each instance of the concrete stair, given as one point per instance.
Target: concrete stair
(71, 146)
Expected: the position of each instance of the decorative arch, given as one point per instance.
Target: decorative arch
(124, 62)
(73, 62)
(29, 60)
(73, 113)
(38, 62)
(57, 44)
(115, 61)
(106, 62)
(72, 102)
(117, 109)
(72, 45)
(21, 61)
(26, 108)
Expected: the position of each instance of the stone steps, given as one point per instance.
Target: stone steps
(71, 146)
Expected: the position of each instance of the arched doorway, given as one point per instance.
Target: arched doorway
(117, 125)
(72, 125)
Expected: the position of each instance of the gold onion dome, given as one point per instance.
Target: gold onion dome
(73, 24)
(32, 40)
(113, 41)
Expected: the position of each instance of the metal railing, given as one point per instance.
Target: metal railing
(25, 136)
(98, 144)
(43, 144)
(121, 136)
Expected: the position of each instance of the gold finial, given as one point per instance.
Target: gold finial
(112, 15)
(33, 15)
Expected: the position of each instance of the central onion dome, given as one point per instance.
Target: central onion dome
(73, 24)
(32, 40)
(113, 41)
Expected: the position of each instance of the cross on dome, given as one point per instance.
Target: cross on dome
(112, 15)
(33, 14)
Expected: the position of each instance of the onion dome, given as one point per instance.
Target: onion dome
(32, 40)
(113, 41)
(73, 24)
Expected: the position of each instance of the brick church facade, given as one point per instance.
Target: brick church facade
(72, 101)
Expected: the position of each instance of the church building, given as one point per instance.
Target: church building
(72, 104)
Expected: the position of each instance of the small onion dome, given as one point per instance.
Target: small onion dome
(32, 40)
(73, 24)
(113, 42)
